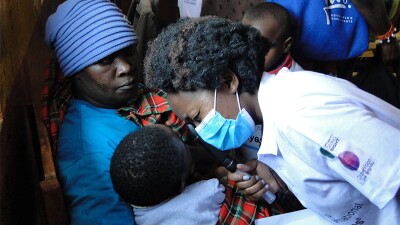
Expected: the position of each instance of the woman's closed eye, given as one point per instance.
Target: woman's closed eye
(106, 60)
(196, 118)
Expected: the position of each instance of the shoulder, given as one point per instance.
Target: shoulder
(213, 185)
(87, 129)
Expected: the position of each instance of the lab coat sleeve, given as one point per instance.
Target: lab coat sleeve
(355, 144)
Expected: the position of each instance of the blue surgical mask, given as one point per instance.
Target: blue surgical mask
(226, 134)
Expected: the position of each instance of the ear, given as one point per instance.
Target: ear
(229, 81)
(287, 44)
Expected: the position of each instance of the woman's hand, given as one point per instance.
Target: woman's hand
(259, 181)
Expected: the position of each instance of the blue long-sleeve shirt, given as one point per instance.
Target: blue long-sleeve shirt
(87, 139)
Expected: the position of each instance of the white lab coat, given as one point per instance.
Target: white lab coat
(336, 147)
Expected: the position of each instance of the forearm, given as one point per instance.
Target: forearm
(375, 15)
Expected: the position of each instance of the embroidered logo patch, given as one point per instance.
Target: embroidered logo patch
(349, 160)
(352, 159)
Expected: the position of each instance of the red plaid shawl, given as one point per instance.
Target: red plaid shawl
(151, 107)
(56, 96)
(237, 209)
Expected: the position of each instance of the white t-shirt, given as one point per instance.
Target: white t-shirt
(335, 146)
(190, 8)
(199, 203)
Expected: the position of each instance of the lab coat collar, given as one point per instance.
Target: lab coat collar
(268, 144)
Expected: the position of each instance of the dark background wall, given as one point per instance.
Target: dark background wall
(22, 58)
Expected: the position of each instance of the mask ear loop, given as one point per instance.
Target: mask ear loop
(237, 98)
(215, 93)
(215, 99)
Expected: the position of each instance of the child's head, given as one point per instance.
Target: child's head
(274, 23)
(150, 166)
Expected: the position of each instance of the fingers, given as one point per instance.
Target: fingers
(239, 175)
(258, 194)
(236, 177)
(256, 185)
(249, 166)
(266, 173)
(251, 185)
(254, 188)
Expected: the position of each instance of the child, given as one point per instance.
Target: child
(149, 169)
(274, 23)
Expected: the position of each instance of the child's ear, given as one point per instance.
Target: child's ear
(287, 44)
(229, 81)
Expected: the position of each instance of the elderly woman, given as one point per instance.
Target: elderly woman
(95, 48)
(334, 145)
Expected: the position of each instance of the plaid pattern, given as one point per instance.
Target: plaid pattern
(56, 97)
(150, 107)
(237, 209)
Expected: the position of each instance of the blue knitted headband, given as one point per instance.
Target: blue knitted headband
(84, 31)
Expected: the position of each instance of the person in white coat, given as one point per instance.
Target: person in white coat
(335, 146)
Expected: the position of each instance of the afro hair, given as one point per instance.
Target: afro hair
(147, 166)
(192, 53)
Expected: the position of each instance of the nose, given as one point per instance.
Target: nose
(123, 67)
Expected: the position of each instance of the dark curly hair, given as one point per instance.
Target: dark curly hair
(192, 53)
(147, 166)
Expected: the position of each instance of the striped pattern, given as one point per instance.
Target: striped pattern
(82, 32)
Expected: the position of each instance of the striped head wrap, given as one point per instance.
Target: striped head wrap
(82, 32)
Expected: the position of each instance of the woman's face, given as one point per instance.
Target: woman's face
(194, 106)
(112, 81)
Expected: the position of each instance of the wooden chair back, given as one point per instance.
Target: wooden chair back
(55, 211)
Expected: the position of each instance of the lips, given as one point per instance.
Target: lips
(127, 85)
